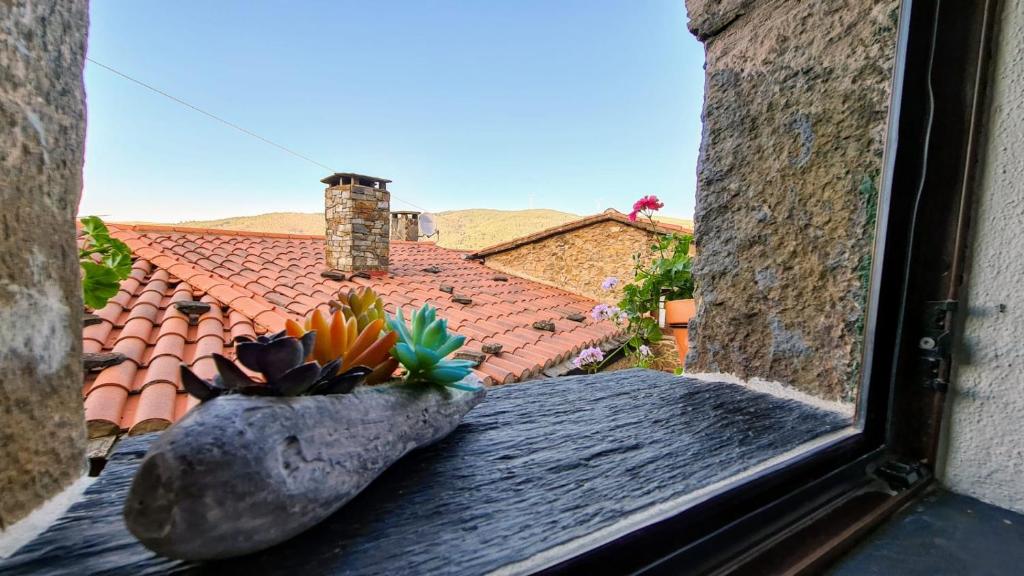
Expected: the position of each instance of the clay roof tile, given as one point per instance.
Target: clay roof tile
(255, 282)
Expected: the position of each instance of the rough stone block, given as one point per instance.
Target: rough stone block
(42, 138)
(795, 111)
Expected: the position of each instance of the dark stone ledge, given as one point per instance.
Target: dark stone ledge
(536, 465)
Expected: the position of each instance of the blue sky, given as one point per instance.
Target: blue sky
(574, 105)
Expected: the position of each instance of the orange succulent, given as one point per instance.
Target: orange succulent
(338, 336)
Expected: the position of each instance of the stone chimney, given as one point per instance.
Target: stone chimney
(405, 226)
(356, 209)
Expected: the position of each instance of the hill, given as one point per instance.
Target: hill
(470, 229)
(479, 227)
(460, 229)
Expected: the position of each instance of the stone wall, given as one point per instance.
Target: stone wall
(985, 441)
(358, 223)
(795, 113)
(579, 260)
(42, 133)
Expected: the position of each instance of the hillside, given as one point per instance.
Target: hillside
(276, 222)
(478, 228)
(460, 229)
(687, 222)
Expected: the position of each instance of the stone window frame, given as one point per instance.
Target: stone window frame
(800, 513)
(804, 512)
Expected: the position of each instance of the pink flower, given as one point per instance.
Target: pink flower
(647, 204)
(632, 216)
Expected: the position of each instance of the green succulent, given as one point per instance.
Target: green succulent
(422, 346)
(363, 304)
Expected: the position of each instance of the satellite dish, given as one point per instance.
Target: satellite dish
(428, 226)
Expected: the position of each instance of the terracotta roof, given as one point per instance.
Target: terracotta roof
(609, 215)
(254, 282)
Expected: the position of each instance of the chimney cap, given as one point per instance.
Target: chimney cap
(335, 179)
(411, 212)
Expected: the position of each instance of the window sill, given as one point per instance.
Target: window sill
(535, 468)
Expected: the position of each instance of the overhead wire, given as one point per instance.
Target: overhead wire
(230, 124)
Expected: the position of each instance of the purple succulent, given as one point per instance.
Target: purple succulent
(281, 360)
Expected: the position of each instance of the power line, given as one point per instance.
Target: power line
(229, 123)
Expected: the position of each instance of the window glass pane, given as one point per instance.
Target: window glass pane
(652, 224)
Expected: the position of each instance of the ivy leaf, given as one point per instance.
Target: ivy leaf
(99, 284)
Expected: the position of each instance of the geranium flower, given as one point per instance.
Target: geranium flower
(588, 357)
(609, 283)
(604, 312)
(644, 351)
(648, 204)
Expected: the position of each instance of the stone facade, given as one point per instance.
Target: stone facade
(579, 260)
(405, 226)
(358, 227)
(42, 114)
(795, 114)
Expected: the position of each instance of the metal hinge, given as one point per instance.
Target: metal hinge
(901, 475)
(936, 345)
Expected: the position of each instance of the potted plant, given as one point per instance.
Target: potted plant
(674, 272)
(286, 438)
(666, 277)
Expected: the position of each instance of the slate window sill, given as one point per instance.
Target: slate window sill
(536, 470)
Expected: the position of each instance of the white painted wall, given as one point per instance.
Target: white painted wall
(984, 447)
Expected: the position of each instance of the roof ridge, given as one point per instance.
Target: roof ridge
(261, 312)
(217, 231)
(249, 233)
(609, 214)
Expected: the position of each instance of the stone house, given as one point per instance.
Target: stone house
(579, 255)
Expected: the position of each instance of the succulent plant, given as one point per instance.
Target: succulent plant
(339, 338)
(422, 346)
(281, 359)
(363, 304)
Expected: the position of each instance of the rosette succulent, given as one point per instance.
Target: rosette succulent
(422, 346)
(340, 338)
(281, 360)
(363, 304)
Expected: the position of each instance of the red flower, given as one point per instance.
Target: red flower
(647, 203)
(632, 216)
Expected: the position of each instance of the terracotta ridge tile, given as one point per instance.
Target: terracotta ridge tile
(216, 231)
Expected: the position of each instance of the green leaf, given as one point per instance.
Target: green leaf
(426, 357)
(453, 344)
(99, 284)
(101, 279)
(405, 354)
(94, 227)
(433, 335)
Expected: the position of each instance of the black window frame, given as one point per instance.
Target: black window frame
(797, 515)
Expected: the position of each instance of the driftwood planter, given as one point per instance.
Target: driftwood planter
(242, 473)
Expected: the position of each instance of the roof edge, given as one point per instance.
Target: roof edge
(247, 233)
(609, 215)
(220, 231)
